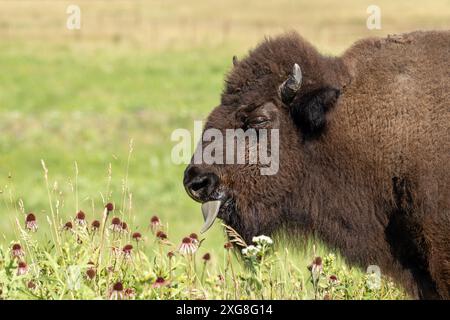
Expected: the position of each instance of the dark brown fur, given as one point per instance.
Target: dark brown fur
(370, 173)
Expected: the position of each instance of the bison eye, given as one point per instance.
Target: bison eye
(257, 122)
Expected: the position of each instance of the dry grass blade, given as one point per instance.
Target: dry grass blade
(234, 236)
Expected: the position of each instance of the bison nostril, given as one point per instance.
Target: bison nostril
(200, 184)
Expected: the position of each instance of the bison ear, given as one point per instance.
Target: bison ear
(309, 111)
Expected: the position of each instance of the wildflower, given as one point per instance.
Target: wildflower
(130, 293)
(124, 227)
(95, 225)
(126, 251)
(250, 251)
(116, 225)
(317, 267)
(68, 226)
(206, 257)
(109, 207)
(194, 238)
(22, 268)
(155, 223)
(80, 218)
(228, 245)
(31, 285)
(161, 235)
(137, 236)
(17, 251)
(263, 240)
(187, 246)
(30, 222)
(116, 251)
(91, 273)
(170, 254)
(159, 282)
(117, 291)
(333, 279)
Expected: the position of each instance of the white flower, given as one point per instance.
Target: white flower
(250, 251)
(262, 240)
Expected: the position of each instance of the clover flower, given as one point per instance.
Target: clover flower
(30, 222)
(187, 246)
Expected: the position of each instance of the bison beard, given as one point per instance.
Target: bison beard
(364, 152)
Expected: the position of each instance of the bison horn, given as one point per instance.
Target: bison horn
(235, 61)
(289, 88)
(210, 210)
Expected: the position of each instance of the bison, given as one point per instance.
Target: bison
(364, 152)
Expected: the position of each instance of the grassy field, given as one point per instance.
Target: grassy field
(137, 70)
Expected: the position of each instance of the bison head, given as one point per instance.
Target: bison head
(283, 86)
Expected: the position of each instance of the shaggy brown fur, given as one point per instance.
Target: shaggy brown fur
(364, 152)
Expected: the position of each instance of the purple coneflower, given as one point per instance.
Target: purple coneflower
(161, 235)
(155, 223)
(124, 227)
(95, 225)
(137, 236)
(159, 282)
(170, 254)
(126, 251)
(206, 257)
(22, 268)
(228, 245)
(117, 291)
(334, 279)
(31, 285)
(187, 246)
(68, 226)
(130, 293)
(316, 266)
(116, 225)
(17, 251)
(30, 222)
(194, 238)
(91, 273)
(80, 218)
(109, 207)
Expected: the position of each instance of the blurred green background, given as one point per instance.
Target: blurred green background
(138, 70)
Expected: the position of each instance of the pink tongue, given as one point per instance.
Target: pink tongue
(210, 210)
